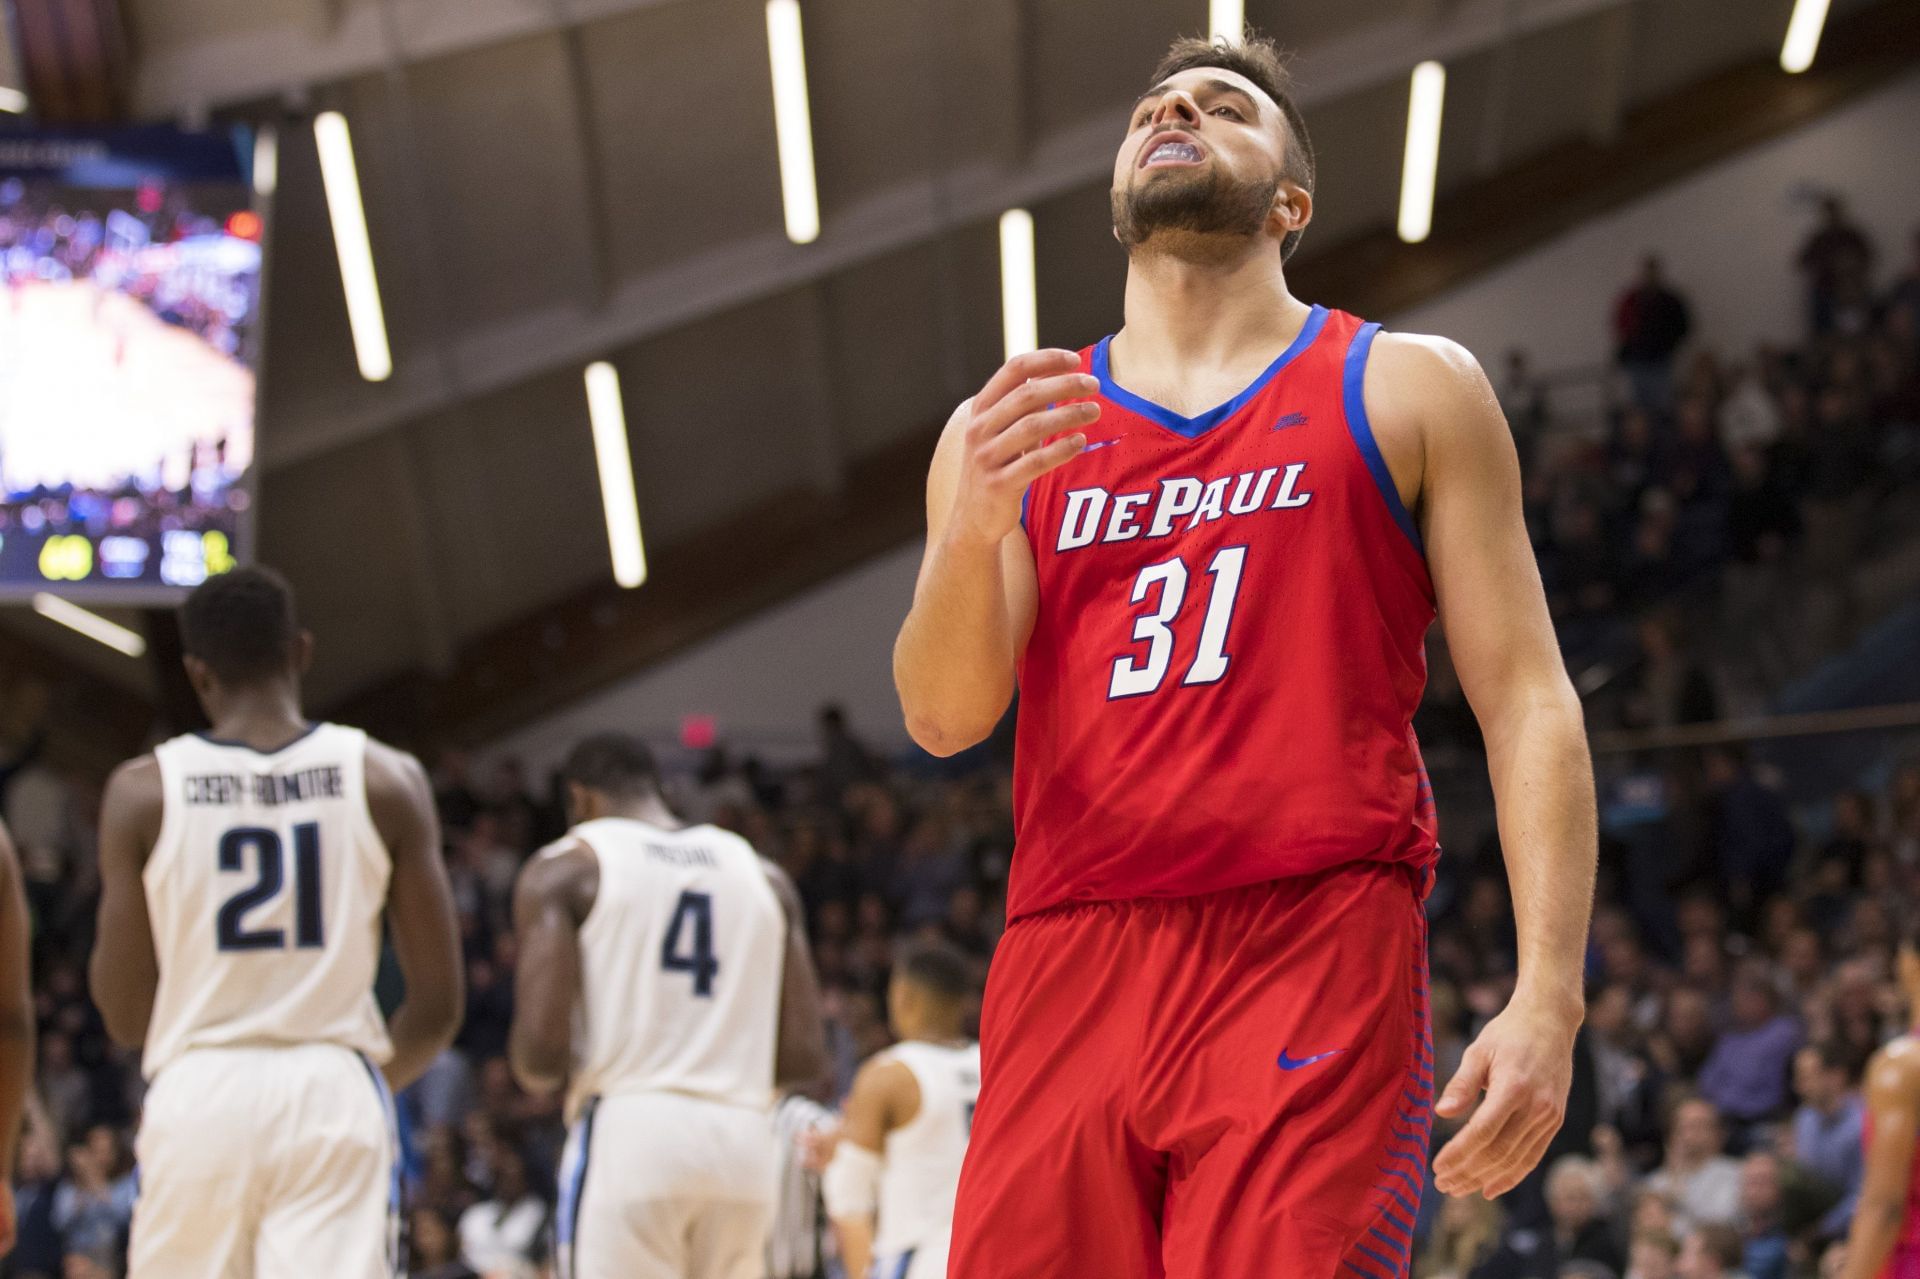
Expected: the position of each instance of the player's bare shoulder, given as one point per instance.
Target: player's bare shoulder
(133, 804)
(565, 875)
(1893, 1076)
(1428, 398)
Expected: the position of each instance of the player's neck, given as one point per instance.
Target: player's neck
(264, 718)
(652, 810)
(1186, 312)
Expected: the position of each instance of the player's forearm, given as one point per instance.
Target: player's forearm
(953, 663)
(1876, 1228)
(1542, 777)
(856, 1245)
(16, 1077)
(420, 1031)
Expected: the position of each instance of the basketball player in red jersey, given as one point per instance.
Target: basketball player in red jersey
(1205, 1039)
(1885, 1240)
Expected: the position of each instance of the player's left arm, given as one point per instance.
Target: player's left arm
(1893, 1105)
(1501, 639)
(421, 919)
(123, 970)
(552, 899)
(800, 1055)
(884, 1096)
(16, 1025)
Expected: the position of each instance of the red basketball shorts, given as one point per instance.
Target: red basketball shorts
(1230, 1085)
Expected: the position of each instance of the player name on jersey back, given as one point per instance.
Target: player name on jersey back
(681, 960)
(324, 781)
(266, 889)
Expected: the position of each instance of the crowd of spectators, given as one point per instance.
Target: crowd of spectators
(1739, 966)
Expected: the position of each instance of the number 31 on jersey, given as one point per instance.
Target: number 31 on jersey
(1133, 677)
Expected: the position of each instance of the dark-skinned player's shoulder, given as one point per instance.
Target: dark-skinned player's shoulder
(564, 873)
(395, 776)
(785, 889)
(132, 805)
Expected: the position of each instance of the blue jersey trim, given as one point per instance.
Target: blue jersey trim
(1195, 427)
(1354, 397)
(303, 735)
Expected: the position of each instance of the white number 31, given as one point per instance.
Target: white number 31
(1131, 677)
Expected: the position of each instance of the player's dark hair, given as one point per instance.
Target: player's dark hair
(241, 624)
(1263, 62)
(938, 968)
(617, 765)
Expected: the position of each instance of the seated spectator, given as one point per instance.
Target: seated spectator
(1654, 1254)
(1827, 1127)
(1745, 1077)
(436, 1252)
(1702, 1182)
(1764, 1254)
(1576, 1230)
(1466, 1235)
(1711, 1252)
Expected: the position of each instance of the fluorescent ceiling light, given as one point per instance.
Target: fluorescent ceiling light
(355, 251)
(90, 624)
(266, 160)
(609, 418)
(1421, 169)
(1019, 302)
(1227, 19)
(1803, 35)
(792, 121)
(12, 100)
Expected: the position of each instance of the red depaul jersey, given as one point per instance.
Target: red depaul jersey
(1229, 647)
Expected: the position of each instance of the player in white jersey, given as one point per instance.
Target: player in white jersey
(890, 1184)
(665, 978)
(245, 873)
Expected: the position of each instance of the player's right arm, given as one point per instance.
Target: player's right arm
(420, 914)
(550, 902)
(885, 1096)
(123, 970)
(974, 604)
(800, 1058)
(16, 1025)
(1893, 1105)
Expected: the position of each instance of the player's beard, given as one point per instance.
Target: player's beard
(1200, 214)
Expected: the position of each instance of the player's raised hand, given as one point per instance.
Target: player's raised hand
(1004, 445)
(1523, 1062)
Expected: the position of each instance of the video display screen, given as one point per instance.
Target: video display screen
(130, 267)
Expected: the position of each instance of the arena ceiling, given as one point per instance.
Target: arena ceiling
(551, 182)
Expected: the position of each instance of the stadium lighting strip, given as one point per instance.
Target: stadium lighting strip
(1420, 173)
(266, 160)
(1226, 19)
(609, 417)
(355, 251)
(13, 100)
(90, 624)
(793, 121)
(1019, 300)
(1803, 35)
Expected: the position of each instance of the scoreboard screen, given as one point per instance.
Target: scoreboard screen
(130, 266)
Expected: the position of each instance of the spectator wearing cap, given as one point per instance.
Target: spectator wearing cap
(1827, 1127)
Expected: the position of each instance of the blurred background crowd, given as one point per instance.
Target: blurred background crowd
(1704, 551)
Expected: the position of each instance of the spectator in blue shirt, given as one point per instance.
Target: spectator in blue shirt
(1826, 1127)
(1745, 1075)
